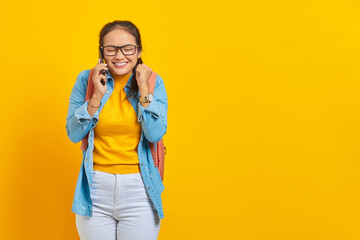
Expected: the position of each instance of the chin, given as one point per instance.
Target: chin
(120, 72)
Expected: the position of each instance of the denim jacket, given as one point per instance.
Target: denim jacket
(153, 121)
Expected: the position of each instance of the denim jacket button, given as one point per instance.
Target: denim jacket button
(148, 188)
(86, 159)
(141, 164)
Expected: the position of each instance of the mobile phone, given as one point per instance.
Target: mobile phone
(103, 72)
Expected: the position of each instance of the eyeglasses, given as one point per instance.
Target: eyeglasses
(127, 50)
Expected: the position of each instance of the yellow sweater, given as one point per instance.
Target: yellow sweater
(117, 133)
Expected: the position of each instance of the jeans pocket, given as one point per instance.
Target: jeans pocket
(138, 180)
(138, 183)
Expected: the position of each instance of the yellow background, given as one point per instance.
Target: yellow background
(263, 120)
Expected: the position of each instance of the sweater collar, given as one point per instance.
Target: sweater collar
(128, 84)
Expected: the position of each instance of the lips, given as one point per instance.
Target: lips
(120, 64)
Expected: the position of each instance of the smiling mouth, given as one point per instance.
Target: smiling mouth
(120, 65)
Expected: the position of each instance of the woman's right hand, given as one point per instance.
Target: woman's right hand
(97, 77)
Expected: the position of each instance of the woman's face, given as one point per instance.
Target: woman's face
(119, 37)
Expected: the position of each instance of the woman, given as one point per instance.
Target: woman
(118, 192)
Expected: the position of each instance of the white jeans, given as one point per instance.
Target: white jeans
(122, 210)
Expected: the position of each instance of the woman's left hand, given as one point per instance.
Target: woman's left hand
(143, 73)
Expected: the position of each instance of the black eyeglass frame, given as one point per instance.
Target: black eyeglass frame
(117, 49)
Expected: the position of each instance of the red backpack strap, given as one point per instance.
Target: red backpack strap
(90, 86)
(160, 157)
(152, 81)
(89, 93)
(157, 149)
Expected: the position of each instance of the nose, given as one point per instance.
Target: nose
(119, 54)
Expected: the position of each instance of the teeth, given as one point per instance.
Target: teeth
(120, 64)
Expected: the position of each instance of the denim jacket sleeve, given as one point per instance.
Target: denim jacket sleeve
(153, 118)
(78, 120)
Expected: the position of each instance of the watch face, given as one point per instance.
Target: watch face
(150, 97)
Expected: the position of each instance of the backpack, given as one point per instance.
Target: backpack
(158, 150)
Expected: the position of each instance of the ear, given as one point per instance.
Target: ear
(139, 54)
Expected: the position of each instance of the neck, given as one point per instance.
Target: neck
(123, 77)
(120, 81)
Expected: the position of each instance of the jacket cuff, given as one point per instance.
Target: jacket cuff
(151, 108)
(83, 116)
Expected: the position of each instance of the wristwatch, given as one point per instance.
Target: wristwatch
(147, 98)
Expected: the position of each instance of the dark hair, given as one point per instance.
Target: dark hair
(133, 30)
